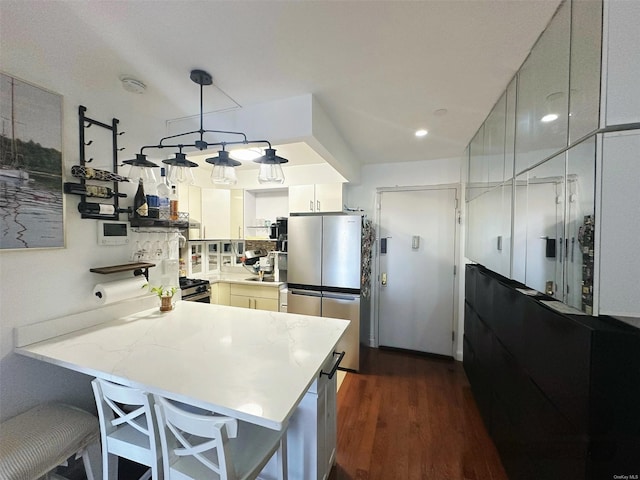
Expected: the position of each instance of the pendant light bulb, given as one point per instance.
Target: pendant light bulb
(223, 172)
(135, 173)
(180, 169)
(223, 175)
(180, 174)
(149, 176)
(175, 173)
(270, 173)
(270, 167)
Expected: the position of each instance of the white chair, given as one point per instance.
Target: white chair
(127, 429)
(197, 447)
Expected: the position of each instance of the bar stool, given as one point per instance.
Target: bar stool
(127, 428)
(197, 446)
(35, 442)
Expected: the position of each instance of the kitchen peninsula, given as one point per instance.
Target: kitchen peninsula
(260, 367)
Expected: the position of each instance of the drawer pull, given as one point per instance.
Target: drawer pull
(340, 356)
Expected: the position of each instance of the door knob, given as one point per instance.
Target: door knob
(383, 279)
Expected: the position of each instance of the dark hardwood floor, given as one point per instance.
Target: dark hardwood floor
(407, 416)
(403, 417)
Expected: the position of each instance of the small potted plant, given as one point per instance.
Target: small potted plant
(166, 297)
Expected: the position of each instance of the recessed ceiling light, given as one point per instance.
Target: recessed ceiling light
(421, 133)
(549, 117)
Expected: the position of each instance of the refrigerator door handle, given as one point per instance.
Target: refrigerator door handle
(308, 293)
(341, 296)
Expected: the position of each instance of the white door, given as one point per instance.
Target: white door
(416, 290)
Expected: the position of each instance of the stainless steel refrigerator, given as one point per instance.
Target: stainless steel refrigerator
(325, 272)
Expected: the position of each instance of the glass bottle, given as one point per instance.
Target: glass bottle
(91, 190)
(173, 204)
(152, 200)
(164, 191)
(89, 208)
(140, 207)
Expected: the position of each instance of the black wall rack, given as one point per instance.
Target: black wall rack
(84, 123)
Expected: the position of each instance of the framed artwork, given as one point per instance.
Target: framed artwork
(31, 199)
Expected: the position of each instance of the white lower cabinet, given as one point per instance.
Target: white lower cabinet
(257, 298)
(220, 293)
(312, 432)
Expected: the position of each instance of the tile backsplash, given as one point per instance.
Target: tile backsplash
(268, 245)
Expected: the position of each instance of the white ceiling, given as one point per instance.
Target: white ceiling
(379, 69)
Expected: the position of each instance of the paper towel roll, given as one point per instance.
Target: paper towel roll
(110, 292)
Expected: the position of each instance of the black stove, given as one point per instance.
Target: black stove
(195, 290)
(191, 282)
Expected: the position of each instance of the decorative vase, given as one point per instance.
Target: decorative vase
(166, 304)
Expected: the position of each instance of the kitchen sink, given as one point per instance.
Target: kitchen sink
(257, 279)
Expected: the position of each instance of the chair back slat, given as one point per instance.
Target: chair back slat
(132, 418)
(123, 411)
(202, 437)
(198, 424)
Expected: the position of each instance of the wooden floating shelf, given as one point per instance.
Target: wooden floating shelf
(123, 268)
(156, 222)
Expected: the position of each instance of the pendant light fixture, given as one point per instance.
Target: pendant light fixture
(141, 168)
(223, 172)
(224, 167)
(180, 169)
(270, 169)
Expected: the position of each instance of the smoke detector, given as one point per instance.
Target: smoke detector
(132, 85)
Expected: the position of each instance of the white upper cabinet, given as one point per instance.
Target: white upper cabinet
(216, 213)
(189, 200)
(543, 88)
(494, 135)
(622, 64)
(549, 148)
(329, 197)
(584, 81)
(302, 198)
(477, 166)
(318, 198)
(237, 214)
(194, 207)
(620, 225)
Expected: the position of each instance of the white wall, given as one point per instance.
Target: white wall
(410, 174)
(37, 285)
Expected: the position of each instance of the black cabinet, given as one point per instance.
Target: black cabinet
(558, 393)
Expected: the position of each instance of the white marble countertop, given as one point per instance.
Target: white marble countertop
(251, 364)
(239, 278)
